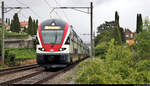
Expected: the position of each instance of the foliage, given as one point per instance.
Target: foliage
(104, 36)
(23, 52)
(146, 25)
(139, 23)
(14, 34)
(119, 67)
(9, 58)
(142, 44)
(116, 19)
(105, 26)
(15, 24)
(109, 30)
(143, 65)
(100, 49)
(32, 27)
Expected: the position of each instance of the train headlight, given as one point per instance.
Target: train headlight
(60, 49)
(42, 49)
(51, 50)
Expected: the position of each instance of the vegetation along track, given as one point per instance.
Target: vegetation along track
(17, 69)
(42, 76)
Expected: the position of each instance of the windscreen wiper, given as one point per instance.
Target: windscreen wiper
(55, 37)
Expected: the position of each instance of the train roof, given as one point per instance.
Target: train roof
(54, 22)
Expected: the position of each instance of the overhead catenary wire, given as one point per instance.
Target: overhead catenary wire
(62, 10)
(52, 9)
(29, 8)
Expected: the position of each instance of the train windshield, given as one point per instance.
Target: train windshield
(52, 36)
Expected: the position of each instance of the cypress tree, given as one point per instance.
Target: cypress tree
(139, 23)
(118, 36)
(117, 18)
(36, 26)
(33, 27)
(12, 26)
(29, 31)
(16, 23)
(6, 21)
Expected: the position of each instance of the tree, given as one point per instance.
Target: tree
(146, 25)
(12, 26)
(109, 30)
(15, 24)
(33, 28)
(117, 27)
(139, 23)
(29, 31)
(36, 26)
(106, 26)
(116, 19)
(6, 21)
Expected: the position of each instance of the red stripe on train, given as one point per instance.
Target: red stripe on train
(53, 47)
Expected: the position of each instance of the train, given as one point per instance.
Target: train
(58, 45)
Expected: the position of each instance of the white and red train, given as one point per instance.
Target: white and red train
(58, 44)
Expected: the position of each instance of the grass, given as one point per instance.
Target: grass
(69, 78)
(14, 34)
(1, 67)
(23, 53)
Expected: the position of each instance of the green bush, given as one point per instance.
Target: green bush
(120, 53)
(9, 58)
(23, 53)
(143, 65)
(100, 49)
(14, 34)
(119, 67)
(142, 45)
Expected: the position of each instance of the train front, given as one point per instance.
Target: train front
(53, 44)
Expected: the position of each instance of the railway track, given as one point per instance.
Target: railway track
(38, 77)
(17, 69)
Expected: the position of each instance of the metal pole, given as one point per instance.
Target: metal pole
(91, 29)
(2, 32)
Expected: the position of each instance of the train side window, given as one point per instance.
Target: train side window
(37, 41)
(67, 41)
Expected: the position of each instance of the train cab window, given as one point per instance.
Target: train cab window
(67, 41)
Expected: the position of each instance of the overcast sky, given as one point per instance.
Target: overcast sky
(104, 10)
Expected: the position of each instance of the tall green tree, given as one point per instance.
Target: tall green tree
(139, 23)
(15, 24)
(117, 27)
(34, 27)
(30, 25)
(12, 26)
(117, 18)
(6, 21)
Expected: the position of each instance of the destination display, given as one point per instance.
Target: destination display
(52, 27)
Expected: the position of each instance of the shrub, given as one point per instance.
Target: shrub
(100, 49)
(9, 58)
(142, 45)
(143, 65)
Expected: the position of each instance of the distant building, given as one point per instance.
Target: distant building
(129, 36)
(7, 26)
(23, 24)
